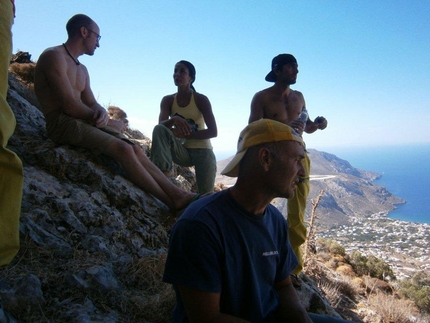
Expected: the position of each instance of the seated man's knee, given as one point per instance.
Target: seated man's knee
(120, 148)
(138, 150)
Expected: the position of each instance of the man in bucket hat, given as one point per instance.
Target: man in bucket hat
(279, 102)
(229, 258)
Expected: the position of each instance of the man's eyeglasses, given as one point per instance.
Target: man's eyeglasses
(98, 36)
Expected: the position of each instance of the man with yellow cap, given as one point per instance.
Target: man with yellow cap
(229, 258)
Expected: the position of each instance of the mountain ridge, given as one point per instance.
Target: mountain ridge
(348, 191)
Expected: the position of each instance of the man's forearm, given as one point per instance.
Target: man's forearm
(95, 106)
(290, 309)
(79, 110)
(311, 127)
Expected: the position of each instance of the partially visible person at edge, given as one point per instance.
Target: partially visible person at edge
(279, 102)
(229, 256)
(11, 173)
(182, 135)
(74, 117)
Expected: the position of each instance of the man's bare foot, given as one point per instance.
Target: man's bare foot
(185, 201)
(194, 197)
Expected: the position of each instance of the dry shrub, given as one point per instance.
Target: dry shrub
(324, 256)
(309, 246)
(336, 289)
(391, 309)
(340, 259)
(331, 291)
(350, 287)
(359, 285)
(332, 263)
(345, 270)
(343, 287)
(24, 89)
(374, 284)
(219, 187)
(23, 71)
(358, 282)
(117, 113)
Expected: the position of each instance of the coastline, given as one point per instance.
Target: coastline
(404, 170)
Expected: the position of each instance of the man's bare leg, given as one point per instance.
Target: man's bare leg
(180, 197)
(147, 176)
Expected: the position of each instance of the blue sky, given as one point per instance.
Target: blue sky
(364, 65)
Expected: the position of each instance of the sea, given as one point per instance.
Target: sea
(404, 170)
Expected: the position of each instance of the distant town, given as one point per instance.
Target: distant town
(405, 246)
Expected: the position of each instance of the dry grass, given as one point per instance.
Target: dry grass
(141, 290)
(331, 291)
(393, 310)
(158, 303)
(24, 72)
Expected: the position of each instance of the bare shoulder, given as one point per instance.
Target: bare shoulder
(54, 58)
(298, 94)
(51, 53)
(168, 99)
(200, 98)
(51, 59)
(263, 93)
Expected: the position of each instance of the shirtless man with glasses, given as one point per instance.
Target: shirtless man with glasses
(73, 116)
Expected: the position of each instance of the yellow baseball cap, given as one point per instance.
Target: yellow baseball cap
(259, 132)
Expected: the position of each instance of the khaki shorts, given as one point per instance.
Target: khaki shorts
(63, 129)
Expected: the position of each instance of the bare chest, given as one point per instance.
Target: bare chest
(284, 109)
(77, 78)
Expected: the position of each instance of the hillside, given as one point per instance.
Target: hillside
(348, 192)
(93, 245)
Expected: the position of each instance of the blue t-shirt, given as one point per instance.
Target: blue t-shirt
(219, 247)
